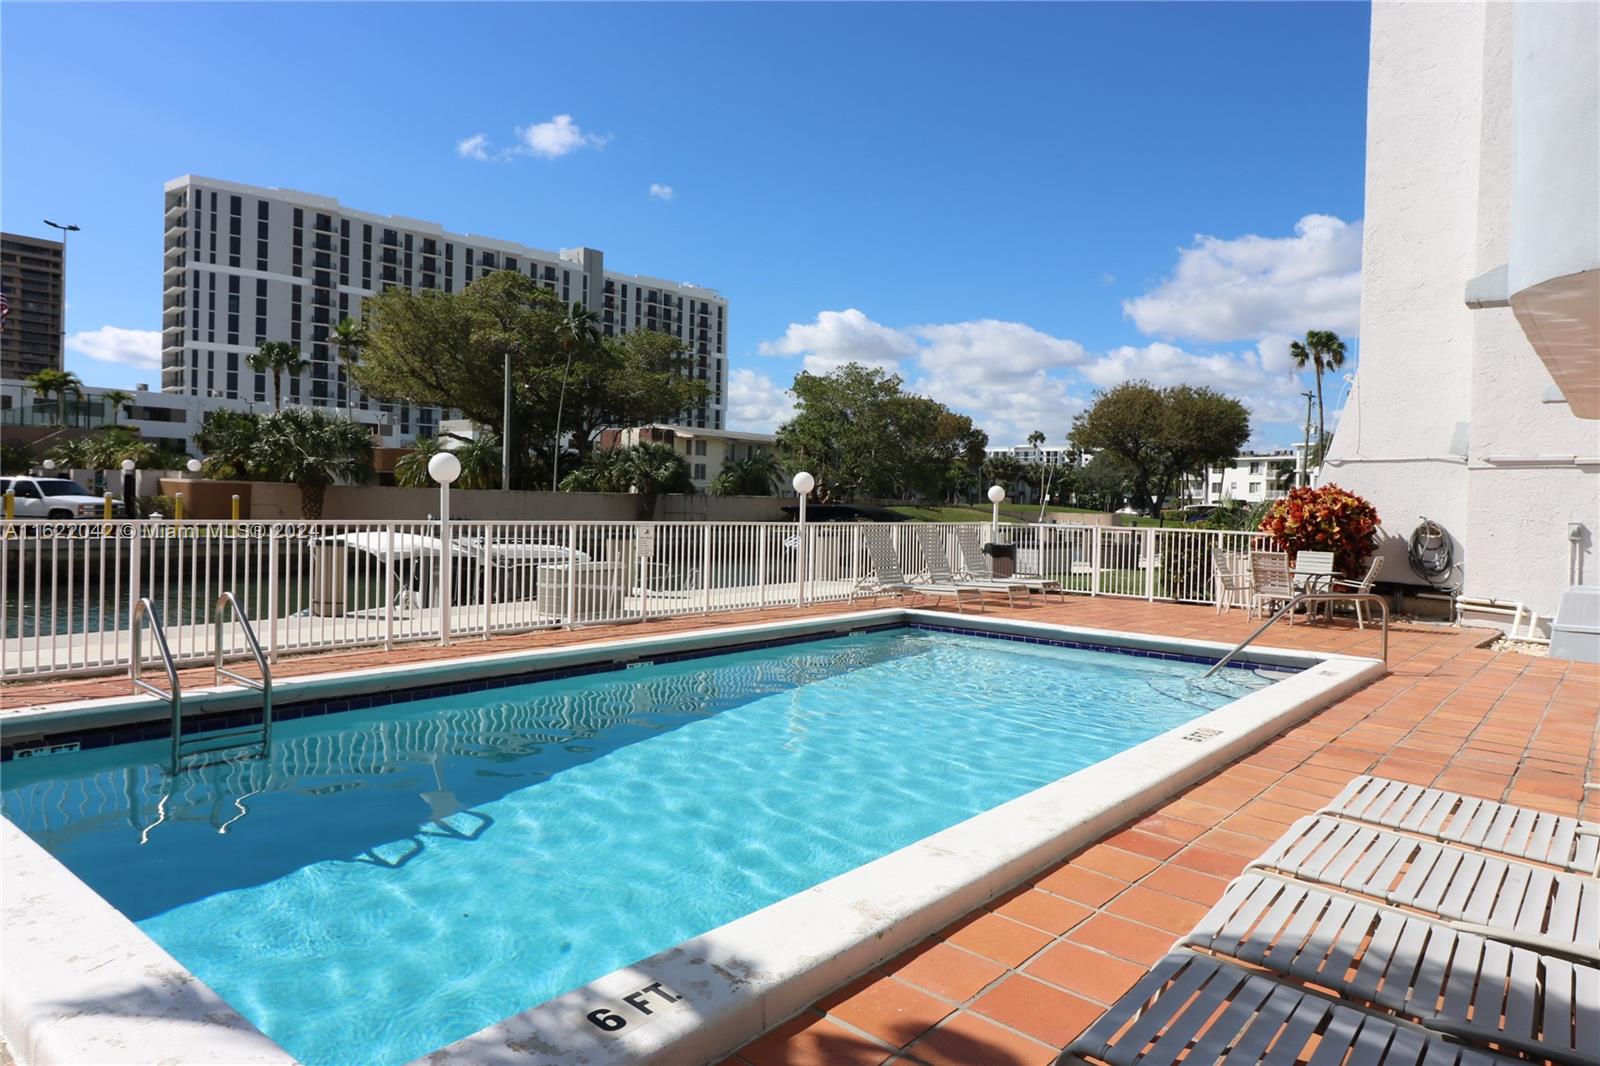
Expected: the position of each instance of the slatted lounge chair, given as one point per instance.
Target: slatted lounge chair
(888, 577)
(1446, 979)
(1538, 908)
(974, 564)
(1364, 584)
(1520, 832)
(1199, 1010)
(1270, 582)
(939, 572)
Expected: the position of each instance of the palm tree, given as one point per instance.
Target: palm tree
(277, 358)
(57, 383)
(1322, 350)
(754, 475)
(479, 458)
(579, 329)
(118, 400)
(648, 469)
(1036, 440)
(313, 449)
(227, 439)
(348, 337)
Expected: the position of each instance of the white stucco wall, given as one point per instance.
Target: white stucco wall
(1435, 374)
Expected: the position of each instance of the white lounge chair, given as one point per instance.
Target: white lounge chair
(1447, 979)
(1199, 1010)
(1231, 574)
(939, 572)
(1538, 908)
(974, 564)
(1520, 832)
(887, 575)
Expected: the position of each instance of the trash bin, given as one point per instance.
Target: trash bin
(1002, 559)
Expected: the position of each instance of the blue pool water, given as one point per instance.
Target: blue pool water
(395, 879)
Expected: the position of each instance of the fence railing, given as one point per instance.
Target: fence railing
(67, 589)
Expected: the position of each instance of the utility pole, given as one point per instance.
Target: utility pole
(1305, 454)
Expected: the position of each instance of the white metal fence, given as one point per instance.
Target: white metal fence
(67, 589)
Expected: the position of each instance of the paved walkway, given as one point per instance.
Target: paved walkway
(1012, 983)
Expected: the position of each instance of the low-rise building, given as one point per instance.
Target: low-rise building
(707, 451)
(1250, 478)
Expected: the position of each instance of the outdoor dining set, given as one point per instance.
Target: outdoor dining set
(1261, 581)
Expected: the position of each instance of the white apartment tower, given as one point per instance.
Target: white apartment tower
(245, 264)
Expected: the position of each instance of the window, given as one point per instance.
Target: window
(699, 471)
(1255, 468)
(699, 447)
(1255, 487)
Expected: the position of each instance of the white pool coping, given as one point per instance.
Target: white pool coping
(82, 983)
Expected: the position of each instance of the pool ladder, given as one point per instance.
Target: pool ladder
(216, 740)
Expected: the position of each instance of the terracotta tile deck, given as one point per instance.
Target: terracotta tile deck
(1012, 983)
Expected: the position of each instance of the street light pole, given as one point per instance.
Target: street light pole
(65, 229)
(1305, 452)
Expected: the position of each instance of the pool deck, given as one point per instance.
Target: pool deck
(1013, 982)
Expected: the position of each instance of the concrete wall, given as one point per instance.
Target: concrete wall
(1447, 417)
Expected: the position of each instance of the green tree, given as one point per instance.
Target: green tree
(58, 383)
(1036, 440)
(118, 400)
(754, 475)
(106, 449)
(449, 350)
(1162, 434)
(862, 436)
(1322, 351)
(479, 457)
(313, 450)
(227, 439)
(1102, 482)
(649, 469)
(348, 338)
(277, 358)
(1006, 471)
(15, 457)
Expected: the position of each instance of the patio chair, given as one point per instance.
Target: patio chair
(939, 572)
(1231, 573)
(1446, 979)
(1519, 832)
(1270, 582)
(974, 564)
(1198, 1010)
(887, 576)
(1363, 585)
(1550, 911)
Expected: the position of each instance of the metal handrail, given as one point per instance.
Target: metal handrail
(265, 684)
(141, 610)
(1312, 597)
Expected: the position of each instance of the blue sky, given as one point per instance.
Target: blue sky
(1012, 205)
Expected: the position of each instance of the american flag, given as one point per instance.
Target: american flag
(5, 309)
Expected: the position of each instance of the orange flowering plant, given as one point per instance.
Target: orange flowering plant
(1326, 518)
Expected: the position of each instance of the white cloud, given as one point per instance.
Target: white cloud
(662, 192)
(139, 348)
(474, 147)
(1246, 287)
(558, 137)
(840, 337)
(756, 403)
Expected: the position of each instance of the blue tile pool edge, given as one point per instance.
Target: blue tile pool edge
(201, 722)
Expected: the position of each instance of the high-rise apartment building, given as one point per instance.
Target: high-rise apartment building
(33, 275)
(245, 264)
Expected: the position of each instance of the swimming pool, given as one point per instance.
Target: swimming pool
(399, 877)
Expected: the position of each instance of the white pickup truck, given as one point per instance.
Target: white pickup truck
(54, 497)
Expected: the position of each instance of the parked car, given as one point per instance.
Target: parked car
(54, 497)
